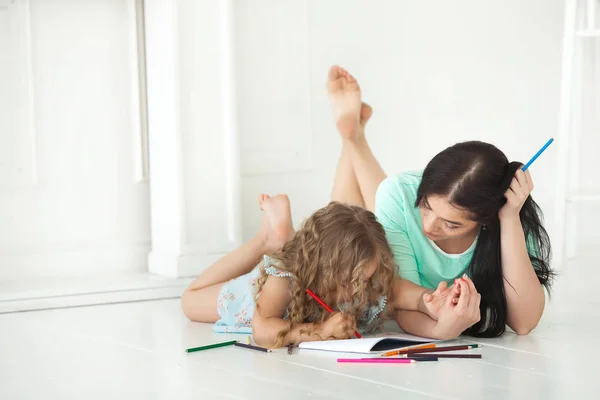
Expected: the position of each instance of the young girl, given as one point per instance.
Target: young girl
(469, 212)
(340, 253)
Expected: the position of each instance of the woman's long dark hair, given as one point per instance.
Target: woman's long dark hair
(474, 176)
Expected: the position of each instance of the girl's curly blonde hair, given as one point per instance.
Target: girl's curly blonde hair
(329, 255)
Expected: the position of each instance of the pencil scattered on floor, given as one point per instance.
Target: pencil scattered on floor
(249, 346)
(430, 350)
(211, 346)
(404, 351)
(423, 358)
(442, 355)
(376, 360)
(406, 356)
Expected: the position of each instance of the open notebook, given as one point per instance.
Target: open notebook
(369, 345)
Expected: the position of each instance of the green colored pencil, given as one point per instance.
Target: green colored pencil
(211, 346)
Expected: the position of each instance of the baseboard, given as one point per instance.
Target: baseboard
(182, 265)
(31, 263)
(86, 291)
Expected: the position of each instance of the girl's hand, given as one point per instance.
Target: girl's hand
(338, 326)
(516, 195)
(436, 300)
(454, 319)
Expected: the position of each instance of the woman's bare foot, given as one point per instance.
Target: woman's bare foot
(344, 96)
(365, 114)
(276, 227)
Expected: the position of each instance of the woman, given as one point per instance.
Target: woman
(469, 212)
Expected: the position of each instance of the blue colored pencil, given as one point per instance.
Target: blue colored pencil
(537, 154)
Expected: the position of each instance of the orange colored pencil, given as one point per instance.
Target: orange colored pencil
(404, 351)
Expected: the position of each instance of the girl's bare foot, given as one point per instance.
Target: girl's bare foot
(276, 228)
(345, 99)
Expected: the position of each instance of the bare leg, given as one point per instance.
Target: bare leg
(369, 173)
(358, 174)
(348, 113)
(199, 301)
(201, 305)
(345, 185)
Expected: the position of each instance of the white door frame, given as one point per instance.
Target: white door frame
(187, 237)
(184, 158)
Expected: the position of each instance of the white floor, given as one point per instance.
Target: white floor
(136, 350)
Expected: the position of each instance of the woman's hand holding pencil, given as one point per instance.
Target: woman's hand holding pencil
(520, 188)
(516, 195)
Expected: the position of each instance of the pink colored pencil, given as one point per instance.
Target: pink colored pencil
(376, 360)
(325, 306)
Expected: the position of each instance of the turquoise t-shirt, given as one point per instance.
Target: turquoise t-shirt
(418, 258)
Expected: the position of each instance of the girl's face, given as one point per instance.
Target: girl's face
(442, 221)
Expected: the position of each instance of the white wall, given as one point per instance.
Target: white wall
(73, 195)
(73, 198)
(435, 73)
(587, 126)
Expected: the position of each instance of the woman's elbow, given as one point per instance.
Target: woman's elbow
(523, 331)
(528, 319)
(525, 327)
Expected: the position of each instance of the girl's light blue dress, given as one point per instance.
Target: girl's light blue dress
(236, 302)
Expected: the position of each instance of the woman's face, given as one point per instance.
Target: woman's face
(442, 221)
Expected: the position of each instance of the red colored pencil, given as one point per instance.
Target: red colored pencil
(325, 306)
